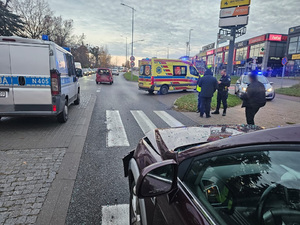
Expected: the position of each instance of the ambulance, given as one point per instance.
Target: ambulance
(164, 75)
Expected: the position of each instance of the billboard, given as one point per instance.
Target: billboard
(236, 11)
(233, 21)
(207, 47)
(234, 3)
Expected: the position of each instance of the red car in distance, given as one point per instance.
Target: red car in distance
(104, 75)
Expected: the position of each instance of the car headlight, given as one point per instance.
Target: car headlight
(244, 89)
(270, 90)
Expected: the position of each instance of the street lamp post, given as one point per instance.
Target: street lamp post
(190, 33)
(131, 33)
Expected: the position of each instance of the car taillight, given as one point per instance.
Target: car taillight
(54, 108)
(55, 82)
(152, 80)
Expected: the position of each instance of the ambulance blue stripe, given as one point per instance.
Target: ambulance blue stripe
(172, 77)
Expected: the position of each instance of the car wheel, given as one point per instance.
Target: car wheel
(164, 90)
(77, 101)
(63, 116)
(134, 207)
(97, 82)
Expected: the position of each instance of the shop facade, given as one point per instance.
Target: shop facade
(293, 51)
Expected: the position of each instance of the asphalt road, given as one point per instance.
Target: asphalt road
(100, 180)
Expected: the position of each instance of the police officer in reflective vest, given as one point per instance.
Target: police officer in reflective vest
(199, 93)
(224, 84)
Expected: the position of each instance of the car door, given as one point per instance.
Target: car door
(183, 209)
(72, 75)
(6, 85)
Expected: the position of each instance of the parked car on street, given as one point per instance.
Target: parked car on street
(115, 72)
(37, 78)
(104, 75)
(215, 175)
(85, 71)
(242, 84)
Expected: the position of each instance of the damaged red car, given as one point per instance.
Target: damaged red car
(235, 175)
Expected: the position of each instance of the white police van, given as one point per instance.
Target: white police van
(37, 78)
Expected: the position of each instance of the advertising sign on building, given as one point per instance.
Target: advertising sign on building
(236, 11)
(297, 56)
(277, 37)
(294, 30)
(210, 52)
(234, 3)
(241, 44)
(257, 39)
(233, 21)
(210, 46)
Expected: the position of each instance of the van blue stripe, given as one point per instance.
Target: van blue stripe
(172, 77)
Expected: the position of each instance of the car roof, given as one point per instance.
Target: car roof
(281, 135)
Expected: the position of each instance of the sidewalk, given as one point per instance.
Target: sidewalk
(279, 112)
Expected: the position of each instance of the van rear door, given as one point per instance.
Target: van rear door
(6, 88)
(30, 70)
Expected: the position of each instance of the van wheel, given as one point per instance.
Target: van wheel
(77, 101)
(164, 90)
(63, 116)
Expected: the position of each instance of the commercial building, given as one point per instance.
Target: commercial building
(264, 52)
(293, 51)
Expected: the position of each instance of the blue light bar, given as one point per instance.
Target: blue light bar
(67, 48)
(45, 37)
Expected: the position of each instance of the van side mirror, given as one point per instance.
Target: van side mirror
(157, 179)
(78, 72)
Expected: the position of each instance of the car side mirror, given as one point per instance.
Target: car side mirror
(271, 83)
(157, 179)
(78, 72)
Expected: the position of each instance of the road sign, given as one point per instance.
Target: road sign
(132, 58)
(132, 64)
(284, 61)
(234, 3)
(233, 21)
(237, 11)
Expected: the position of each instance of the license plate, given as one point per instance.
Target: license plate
(2, 94)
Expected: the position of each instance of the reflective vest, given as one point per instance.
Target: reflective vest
(198, 87)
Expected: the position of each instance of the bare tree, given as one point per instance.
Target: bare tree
(61, 31)
(34, 14)
(104, 57)
(95, 51)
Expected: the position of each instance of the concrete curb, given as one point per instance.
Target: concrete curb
(55, 208)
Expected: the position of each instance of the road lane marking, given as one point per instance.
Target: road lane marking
(144, 122)
(170, 120)
(98, 90)
(116, 135)
(115, 214)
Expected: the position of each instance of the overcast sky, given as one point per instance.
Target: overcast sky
(164, 22)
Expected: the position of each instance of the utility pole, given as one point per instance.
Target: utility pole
(231, 51)
(132, 31)
(126, 55)
(190, 33)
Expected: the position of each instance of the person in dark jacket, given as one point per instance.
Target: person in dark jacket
(224, 84)
(254, 98)
(208, 85)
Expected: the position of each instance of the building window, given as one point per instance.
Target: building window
(241, 54)
(294, 45)
(210, 60)
(255, 50)
(226, 57)
(277, 49)
(220, 57)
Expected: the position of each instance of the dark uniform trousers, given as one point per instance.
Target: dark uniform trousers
(205, 106)
(222, 96)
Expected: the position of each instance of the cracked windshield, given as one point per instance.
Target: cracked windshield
(168, 112)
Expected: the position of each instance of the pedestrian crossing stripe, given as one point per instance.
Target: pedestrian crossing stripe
(115, 214)
(144, 122)
(117, 137)
(171, 121)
